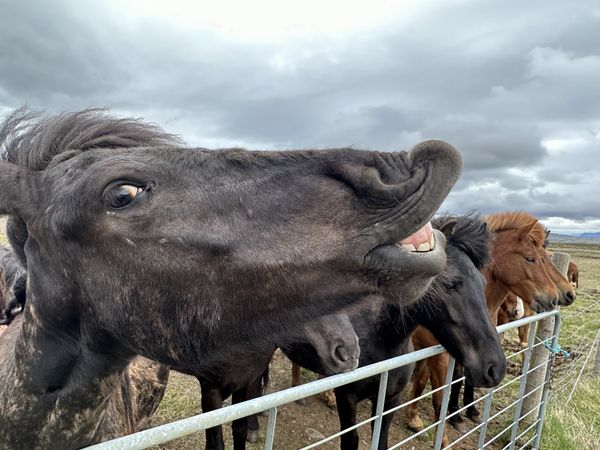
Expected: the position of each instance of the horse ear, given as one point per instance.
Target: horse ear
(524, 231)
(448, 228)
(17, 196)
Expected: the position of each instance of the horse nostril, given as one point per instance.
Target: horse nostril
(341, 354)
(571, 296)
(495, 374)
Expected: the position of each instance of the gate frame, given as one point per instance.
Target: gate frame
(271, 402)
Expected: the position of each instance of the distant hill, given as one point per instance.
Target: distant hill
(590, 235)
(584, 238)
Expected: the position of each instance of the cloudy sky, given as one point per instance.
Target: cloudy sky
(514, 85)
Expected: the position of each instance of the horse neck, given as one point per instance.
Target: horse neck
(495, 293)
(44, 413)
(393, 328)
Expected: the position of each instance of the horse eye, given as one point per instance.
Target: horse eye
(529, 259)
(122, 195)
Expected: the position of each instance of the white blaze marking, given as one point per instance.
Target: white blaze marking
(520, 311)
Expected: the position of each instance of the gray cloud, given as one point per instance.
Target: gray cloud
(511, 84)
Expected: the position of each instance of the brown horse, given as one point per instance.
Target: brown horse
(566, 293)
(517, 265)
(573, 273)
(511, 309)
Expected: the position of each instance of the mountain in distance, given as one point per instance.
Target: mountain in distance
(583, 238)
(590, 235)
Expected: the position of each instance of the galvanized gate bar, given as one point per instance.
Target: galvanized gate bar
(525, 371)
(383, 379)
(544, 401)
(487, 407)
(444, 409)
(270, 402)
(271, 429)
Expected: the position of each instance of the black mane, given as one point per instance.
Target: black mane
(470, 235)
(31, 140)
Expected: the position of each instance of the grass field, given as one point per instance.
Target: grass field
(576, 424)
(569, 425)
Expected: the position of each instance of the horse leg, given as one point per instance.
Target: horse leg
(296, 382)
(254, 391)
(212, 399)
(386, 421)
(523, 335)
(456, 421)
(420, 378)
(346, 407)
(239, 427)
(328, 396)
(523, 338)
(472, 411)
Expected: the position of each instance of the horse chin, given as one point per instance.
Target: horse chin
(488, 379)
(334, 368)
(540, 306)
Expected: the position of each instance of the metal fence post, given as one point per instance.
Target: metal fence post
(523, 384)
(383, 379)
(271, 429)
(487, 407)
(540, 353)
(444, 408)
(546, 388)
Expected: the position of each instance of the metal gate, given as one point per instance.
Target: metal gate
(524, 430)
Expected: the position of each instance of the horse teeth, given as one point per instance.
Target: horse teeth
(432, 241)
(424, 247)
(410, 247)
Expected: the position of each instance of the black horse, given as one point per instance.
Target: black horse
(245, 376)
(454, 310)
(135, 244)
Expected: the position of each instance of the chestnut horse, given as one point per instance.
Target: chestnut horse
(517, 265)
(566, 293)
(511, 309)
(573, 274)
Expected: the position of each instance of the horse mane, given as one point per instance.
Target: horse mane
(471, 236)
(32, 140)
(515, 220)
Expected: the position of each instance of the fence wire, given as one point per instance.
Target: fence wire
(495, 407)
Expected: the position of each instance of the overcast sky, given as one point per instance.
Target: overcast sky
(514, 85)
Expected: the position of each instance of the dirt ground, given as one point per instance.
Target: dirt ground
(297, 425)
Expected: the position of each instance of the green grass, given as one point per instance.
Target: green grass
(576, 425)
